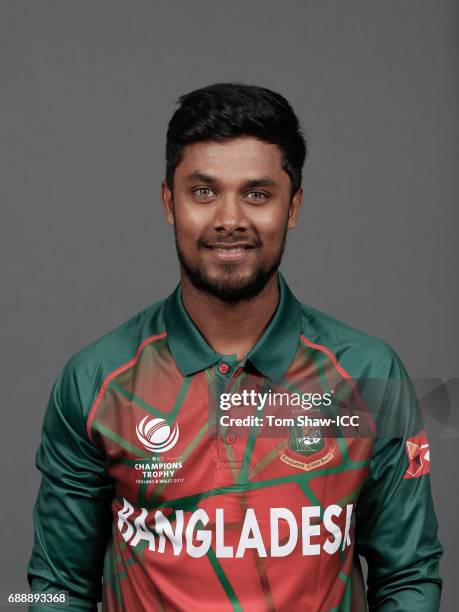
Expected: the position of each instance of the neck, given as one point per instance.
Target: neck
(230, 328)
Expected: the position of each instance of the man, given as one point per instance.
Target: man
(164, 467)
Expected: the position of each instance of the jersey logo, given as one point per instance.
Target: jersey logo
(306, 440)
(418, 452)
(156, 435)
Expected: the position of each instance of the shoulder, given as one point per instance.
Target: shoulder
(383, 380)
(85, 371)
(359, 353)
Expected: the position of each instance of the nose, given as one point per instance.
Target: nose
(229, 215)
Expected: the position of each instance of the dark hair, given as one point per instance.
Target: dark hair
(226, 110)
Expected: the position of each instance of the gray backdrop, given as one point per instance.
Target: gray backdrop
(87, 89)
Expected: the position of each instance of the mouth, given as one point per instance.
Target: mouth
(230, 252)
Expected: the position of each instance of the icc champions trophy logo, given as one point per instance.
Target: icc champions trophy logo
(156, 435)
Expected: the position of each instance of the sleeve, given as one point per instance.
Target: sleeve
(72, 511)
(396, 526)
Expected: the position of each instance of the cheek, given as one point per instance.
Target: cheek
(189, 223)
(271, 227)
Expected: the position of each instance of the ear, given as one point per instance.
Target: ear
(294, 208)
(168, 202)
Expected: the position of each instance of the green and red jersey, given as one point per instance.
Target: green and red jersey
(154, 501)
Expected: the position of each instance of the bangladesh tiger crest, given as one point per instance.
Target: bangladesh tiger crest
(309, 441)
(306, 439)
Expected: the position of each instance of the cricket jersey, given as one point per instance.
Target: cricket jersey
(176, 478)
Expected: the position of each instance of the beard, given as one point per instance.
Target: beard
(227, 287)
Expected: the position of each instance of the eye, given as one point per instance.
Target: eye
(257, 196)
(203, 193)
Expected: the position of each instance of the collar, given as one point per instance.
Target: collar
(271, 355)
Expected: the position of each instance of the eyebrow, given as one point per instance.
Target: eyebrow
(264, 181)
(201, 176)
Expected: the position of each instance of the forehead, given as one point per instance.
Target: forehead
(233, 160)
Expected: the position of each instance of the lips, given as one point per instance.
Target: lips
(230, 245)
(230, 251)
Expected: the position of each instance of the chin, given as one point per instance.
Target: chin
(231, 278)
(232, 286)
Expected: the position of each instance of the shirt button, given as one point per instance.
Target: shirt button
(230, 438)
(223, 368)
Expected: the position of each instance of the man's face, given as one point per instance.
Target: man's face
(231, 207)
